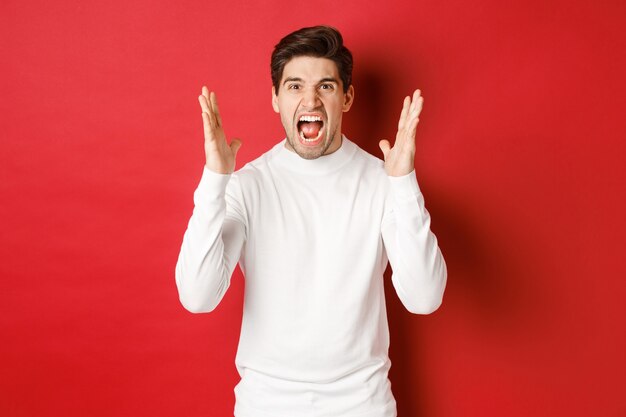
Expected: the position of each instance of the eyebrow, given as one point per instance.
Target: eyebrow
(323, 80)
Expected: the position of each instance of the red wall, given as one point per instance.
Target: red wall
(519, 152)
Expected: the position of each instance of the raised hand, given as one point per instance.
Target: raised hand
(220, 156)
(399, 159)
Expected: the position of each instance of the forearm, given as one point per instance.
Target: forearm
(419, 270)
(210, 249)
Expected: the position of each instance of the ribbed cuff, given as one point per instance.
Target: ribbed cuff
(405, 186)
(212, 185)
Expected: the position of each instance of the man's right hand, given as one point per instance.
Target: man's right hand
(220, 156)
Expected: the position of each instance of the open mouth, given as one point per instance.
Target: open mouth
(310, 129)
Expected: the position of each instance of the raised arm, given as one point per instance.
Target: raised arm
(216, 232)
(419, 270)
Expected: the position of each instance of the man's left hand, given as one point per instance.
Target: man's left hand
(399, 159)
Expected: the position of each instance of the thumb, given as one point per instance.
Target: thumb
(235, 144)
(384, 146)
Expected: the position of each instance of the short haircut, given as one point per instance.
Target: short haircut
(316, 41)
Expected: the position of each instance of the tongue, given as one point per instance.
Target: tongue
(310, 129)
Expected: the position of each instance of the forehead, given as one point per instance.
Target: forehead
(309, 68)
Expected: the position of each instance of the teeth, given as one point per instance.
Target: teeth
(310, 119)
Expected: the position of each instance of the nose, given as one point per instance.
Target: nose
(310, 98)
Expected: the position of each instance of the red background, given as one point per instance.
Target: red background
(519, 151)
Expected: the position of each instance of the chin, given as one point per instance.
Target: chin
(308, 152)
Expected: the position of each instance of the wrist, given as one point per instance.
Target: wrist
(399, 170)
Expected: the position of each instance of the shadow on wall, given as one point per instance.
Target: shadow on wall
(371, 119)
(481, 280)
(484, 288)
(365, 122)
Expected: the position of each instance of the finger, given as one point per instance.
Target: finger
(412, 129)
(208, 129)
(216, 109)
(407, 134)
(203, 103)
(416, 110)
(384, 146)
(206, 111)
(418, 102)
(235, 144)
(416, 95)
(405, 110)
(205, 92)
(414, 100)
(210, 102)
(419, 106)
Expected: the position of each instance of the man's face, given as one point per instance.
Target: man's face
(311, 102)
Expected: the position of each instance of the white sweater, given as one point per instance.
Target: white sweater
(312, 238)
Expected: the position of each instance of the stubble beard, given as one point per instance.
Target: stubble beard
(312, 153)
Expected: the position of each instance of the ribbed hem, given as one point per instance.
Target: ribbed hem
(388, 410)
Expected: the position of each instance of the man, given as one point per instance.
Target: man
(312, 223)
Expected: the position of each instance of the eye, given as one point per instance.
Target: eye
(293, 87)
(328, 87)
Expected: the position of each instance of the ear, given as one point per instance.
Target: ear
(348, 98)
(275, 100)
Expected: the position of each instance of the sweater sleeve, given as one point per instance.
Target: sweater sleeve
(212, 243)
(419, 270)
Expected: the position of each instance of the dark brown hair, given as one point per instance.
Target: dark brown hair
(316, 41)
